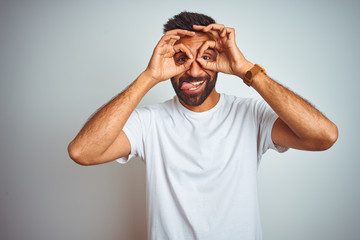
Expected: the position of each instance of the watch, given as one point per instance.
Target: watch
(249, 75)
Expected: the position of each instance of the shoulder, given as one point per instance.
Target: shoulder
(157, 107)
(252, 109)
(156, 114)
(157, 110)
(242, 103)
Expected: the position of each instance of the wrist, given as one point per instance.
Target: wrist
(150, 76)
(147, 79)
(252, 74)
(243, 68)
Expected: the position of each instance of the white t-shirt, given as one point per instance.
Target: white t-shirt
(201, 167)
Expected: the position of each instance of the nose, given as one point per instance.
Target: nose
(195, 69)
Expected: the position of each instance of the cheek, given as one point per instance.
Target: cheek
(175, 81)
(211, 74)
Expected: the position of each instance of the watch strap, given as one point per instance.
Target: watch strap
(249, 75)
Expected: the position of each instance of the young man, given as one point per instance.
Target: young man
(202, 148)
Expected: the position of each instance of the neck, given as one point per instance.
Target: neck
(208, 104)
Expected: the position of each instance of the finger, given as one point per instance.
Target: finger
(198, 27)
(176, 37)
(172, 42)
(180, 32)
(227, 34)
(166, 39)
(186, 65)
(213, 29)
(182, 48)
(210, 65)
(207, 65)
(216, 30)
(217, 27)
(223, 32)
(230, 32)
(206, 45)
(214, 34)
(171, 39)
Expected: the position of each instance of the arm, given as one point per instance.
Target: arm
(102, 139)
(299, 125)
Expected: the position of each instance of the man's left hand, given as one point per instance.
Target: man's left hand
(229, 59)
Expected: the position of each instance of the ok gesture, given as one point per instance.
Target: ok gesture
(229, 59)
(162, 65)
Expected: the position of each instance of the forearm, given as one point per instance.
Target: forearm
(102, 139)
(300, 125)
(304, 120)
(102, 129)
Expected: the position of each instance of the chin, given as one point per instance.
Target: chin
(194, 99)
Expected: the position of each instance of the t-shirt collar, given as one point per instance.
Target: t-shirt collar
(198, 114)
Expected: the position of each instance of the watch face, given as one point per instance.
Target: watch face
(248, 75)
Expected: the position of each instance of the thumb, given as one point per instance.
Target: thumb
(183, 67)
(206, 64)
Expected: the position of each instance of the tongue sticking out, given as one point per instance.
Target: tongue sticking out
(186, 85)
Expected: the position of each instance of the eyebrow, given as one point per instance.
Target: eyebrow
(213, 50)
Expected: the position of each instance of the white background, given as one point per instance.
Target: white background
(62, 60)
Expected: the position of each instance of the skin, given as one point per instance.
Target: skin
(180, 55)
(197, 73)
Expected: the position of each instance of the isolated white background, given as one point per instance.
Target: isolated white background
(61, 60)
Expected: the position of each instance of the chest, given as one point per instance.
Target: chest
(203, 146)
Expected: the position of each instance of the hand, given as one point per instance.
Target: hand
(229, 59)
(162, 65)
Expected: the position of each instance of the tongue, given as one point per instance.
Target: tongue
(186, 85)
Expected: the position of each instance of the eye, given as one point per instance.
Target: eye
(206, 57)
(181, 60)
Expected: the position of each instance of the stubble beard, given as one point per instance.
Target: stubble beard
(195, 99)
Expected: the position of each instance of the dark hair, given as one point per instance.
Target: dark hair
(185, 20)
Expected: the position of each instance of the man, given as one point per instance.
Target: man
(202, 148)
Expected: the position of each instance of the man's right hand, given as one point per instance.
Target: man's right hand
(162, 65)
(102, 138)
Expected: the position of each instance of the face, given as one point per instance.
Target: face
(194, 85)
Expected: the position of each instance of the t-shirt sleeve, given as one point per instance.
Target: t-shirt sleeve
(266, 118)
(134, 132)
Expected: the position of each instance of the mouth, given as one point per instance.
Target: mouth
(191, 86)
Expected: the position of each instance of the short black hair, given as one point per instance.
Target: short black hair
(185, 20)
